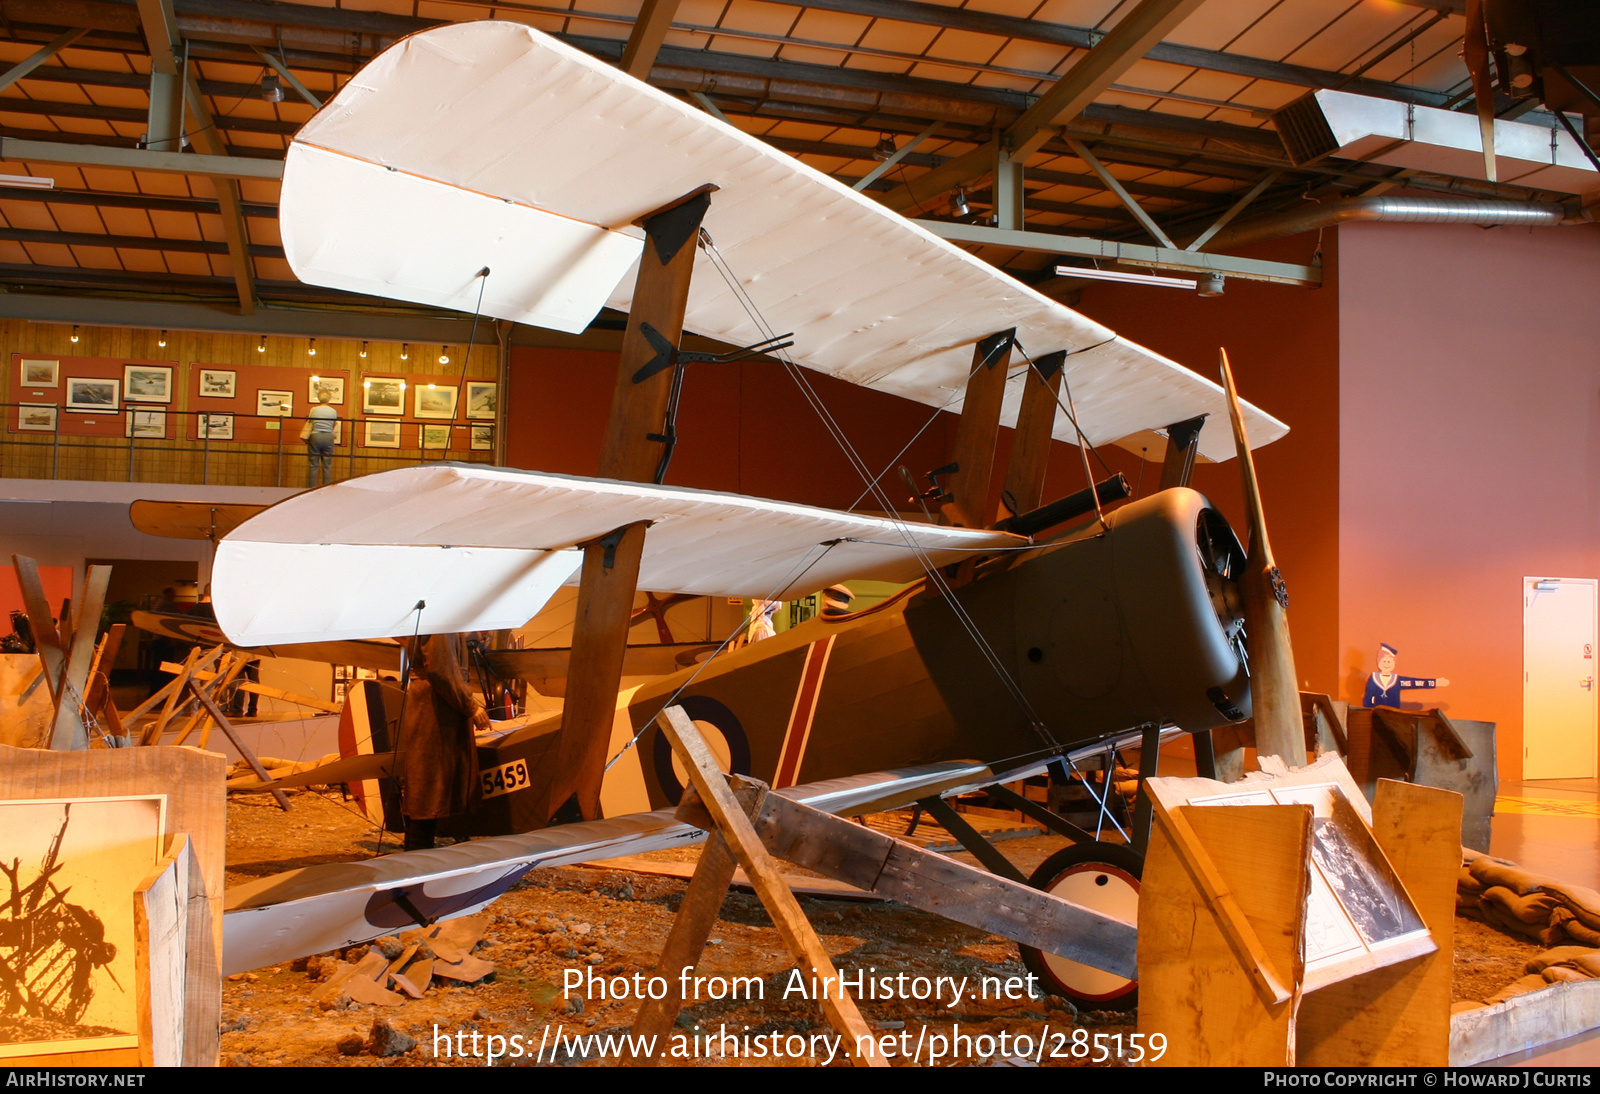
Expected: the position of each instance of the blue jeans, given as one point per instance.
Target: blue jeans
(319, 449)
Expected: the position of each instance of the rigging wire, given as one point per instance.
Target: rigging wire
(935, 576)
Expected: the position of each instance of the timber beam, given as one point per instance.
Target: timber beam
(228, 200)
(1134, 254)
(1036, 420)
(979, 425)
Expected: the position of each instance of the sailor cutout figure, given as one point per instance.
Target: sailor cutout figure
(1383, 686)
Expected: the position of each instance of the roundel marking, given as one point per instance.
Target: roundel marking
(722, 732)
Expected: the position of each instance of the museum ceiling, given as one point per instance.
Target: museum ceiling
(1182, 119)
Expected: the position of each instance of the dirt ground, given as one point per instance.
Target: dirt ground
(611, 924)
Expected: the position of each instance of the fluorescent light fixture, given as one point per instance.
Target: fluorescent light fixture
(28, 182)
(1130, 278)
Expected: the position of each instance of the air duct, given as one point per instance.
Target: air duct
(1398, 210)
(1423, 138)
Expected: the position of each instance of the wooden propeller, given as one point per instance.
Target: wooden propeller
(1274, 687)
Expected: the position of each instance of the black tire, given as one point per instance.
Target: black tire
(1104, 877)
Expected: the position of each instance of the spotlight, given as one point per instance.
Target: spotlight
(162, 341)
(366, 383)
(958, 203)
(74, 333)
(311, 348)
(1210, 285)
(885, 147)
(405, 351)
(444, 355)
(363, 349)
(271, 88)
(261, 346)
(430, 387)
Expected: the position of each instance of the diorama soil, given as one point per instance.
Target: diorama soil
(605, 924)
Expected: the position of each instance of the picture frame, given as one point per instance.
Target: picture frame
(436, 401)
(219, 383)
(216, 427)
(483, 438)
(383, 395)
(435, 436)
(80, 862)
(381, 434)
(483, 399)
(37, 417)
(147, 383)
(145, 424)
(39, 372)
(273, 403)
(94, 394)
(333, 385)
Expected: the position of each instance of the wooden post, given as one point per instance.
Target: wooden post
(769, 886)
(46, 639)
(976, 432)
(703, 899)
(1036, 420)
(67, 731)
(632, 452)
(227, 727)
(1274, 687)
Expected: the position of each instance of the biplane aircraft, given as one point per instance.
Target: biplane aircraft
(486, 165)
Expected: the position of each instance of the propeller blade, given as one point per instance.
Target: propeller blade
(1274, 687)
(1475, 52)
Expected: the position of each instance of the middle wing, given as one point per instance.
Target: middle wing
(460, 547)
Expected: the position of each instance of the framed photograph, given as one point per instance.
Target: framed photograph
(146, 424)
(435, 436)
(218, 383)
(482, 438)
(93, 394)
(483, 399)
(383, 395)
(274, 404)
(67, 928)
(38, 373)
(435, 401)
(37, 417)
(216, 427)
(382, 434)
(147, 383)
(333, 385)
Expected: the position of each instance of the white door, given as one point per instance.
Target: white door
(1558, 678)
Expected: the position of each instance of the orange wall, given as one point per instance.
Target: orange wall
(746, 428)
(1470, 397)
(1283, 342)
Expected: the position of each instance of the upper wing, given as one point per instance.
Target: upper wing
(460, 547)
(491, 144)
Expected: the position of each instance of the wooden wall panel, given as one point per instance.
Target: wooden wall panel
(259, 456)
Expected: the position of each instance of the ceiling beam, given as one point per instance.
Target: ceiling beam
(102, 198)
(1095, 71)
(39, 57)
(1135, 254)
(139, 159)
(135, 243)
(649, 31)
(209, 141)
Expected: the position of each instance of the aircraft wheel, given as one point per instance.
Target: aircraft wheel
(1103, 877)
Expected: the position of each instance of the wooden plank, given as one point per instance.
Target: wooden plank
(174, 692)
(599, 642)
(702, 900)
(196, 805)
(780, 903)
(161, 923)
(244, 750)
(1398, 1016)
(267, 690)
(1193, 987)
(976, 431)
(1030, 447)
(1274, 686)
(1524, 1021)
(1271, 982)
(46, 639)
(880, 864)
(67, 732)
(218, 686)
